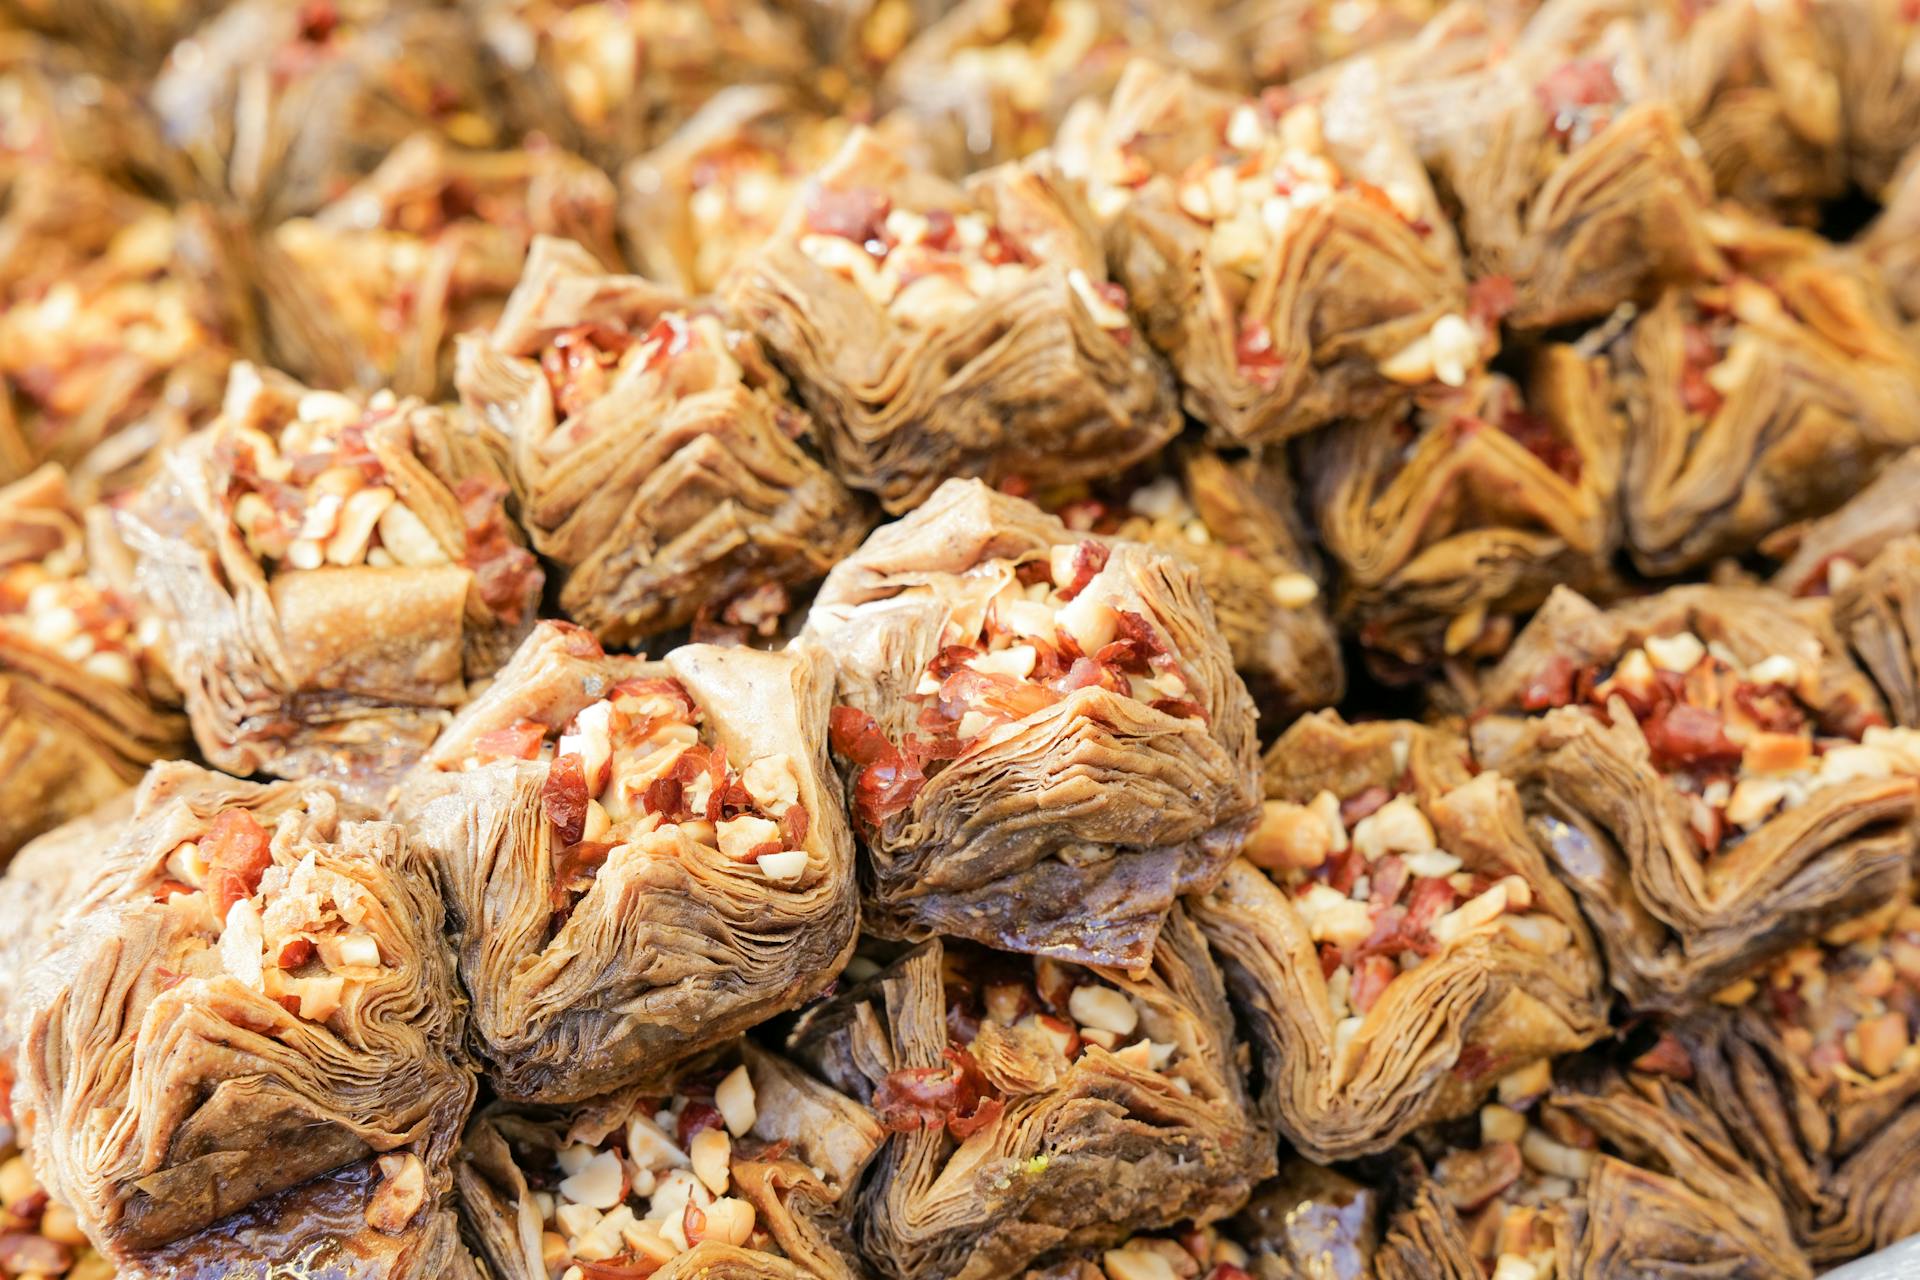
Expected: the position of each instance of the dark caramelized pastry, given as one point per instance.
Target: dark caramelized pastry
(330, 574)
(281, 104)
(1754, 401)
(1044, 739)
(657, 460)
(640, 859)
(1287, 252)
(1392, 937)
(1035, 1106)
(1234, 518)
(1814, 1069)
(1604, 1176)
(1574, 179)
(730, 1170)
(940, 331)
(1449, 518)
(371, 290)
(253, 988)
(85, 700)
(1709, 773)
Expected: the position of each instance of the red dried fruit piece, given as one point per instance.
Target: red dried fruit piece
(518, 741)
(237, 851)
(1685, 736)
(696, 1117)
(1571, 89)
(1089, 558)
(1551, 686)
(564, 798)
(956, 1096)
(858, 214)
(887, 780)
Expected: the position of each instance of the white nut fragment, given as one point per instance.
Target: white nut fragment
(1331, 916)
(1103, 1008)
(1555, 1158)
(1104, 313)
(354, 530)
(1471, 914)
(1680, 652)
(241, 943)
(599, 1182)
(402, 1190)
(740, 836)
(1136, 1263)
(1434, 864)
(1397, 826)
(1775, 668)
(407, 538)
(1295, 590)
(1089, 621)
(1015, 662)
(783, 867)
(1455, 347)
(734, 1099)
(729, 1220)
(650, 1146)
(772, 782)
(712, 1154)
(359, 950)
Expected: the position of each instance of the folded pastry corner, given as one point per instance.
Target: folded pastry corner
(936, 330)
(615, 78)
(1287, 252)
(706, 198)
(640, 859)
(733, 1168)
(1585, 1173)
(1044, 737)
(1755, 400)
(1710, 774)
(253, 986)
(1235, 519)
(1450, 517)
(1573, 176)
(278, 106)
(1393, 938)
(86, 702)
(658, 462)
(371, 289)
(999, 76)
(1811, 1064)
(329, 574)
(1036, 1107)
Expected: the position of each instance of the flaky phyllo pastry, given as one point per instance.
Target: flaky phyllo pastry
(997, 76)
(617, 76)
(1043, 735)
(1755, 86)
(1035, 1105)
(936, 330)
(1815, 1071)
(1392, 937)
(1287, 255)
(1233, 517)
(277, 103)
(640, 859)
(118, 318)
(1892, 241)
(250, 1012)
(730, 1170)
(1710, 774)
(706, 198)
(1866, 557)
(1755, 400)
(657, 460)
(1597, 1175)
(371, 290)
(59, 108)
(1572, 177)
(85, 701)
(1198, 1253)
(1877, 43)
(1452, 515)
(330, 575)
